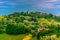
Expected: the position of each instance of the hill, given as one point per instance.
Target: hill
(35, 23)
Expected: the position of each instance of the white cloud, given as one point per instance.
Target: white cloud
(52, 0)
(1, 2)
(47, 4)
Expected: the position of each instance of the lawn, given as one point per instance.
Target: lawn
(11, 37)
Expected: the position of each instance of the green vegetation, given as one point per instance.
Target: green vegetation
(40, 25)
(11, 37)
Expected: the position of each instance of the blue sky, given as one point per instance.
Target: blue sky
(48, 6)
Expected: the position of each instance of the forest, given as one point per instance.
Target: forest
(30, 26)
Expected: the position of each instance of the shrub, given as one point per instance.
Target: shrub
(14, 29)
(33, 33)
(44, 33)
(2, 29)
(47, 37)
(10, 29)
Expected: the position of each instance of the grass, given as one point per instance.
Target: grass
(34, 38)
(58, 38)
(15, 37)
(11, 37)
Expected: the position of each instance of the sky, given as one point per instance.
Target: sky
(48, 6)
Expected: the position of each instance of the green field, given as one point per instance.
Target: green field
(15, 37)
(11, 37)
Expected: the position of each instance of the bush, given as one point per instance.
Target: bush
(10, 29)
(47, 37)
(45, 32)
(2, 30)
(33, 33)
(14, 29)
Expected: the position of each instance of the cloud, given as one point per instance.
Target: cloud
(12, 4)
(1, 2)
(7, 4)
(51, 0)
(47, 4)
(3, 6)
